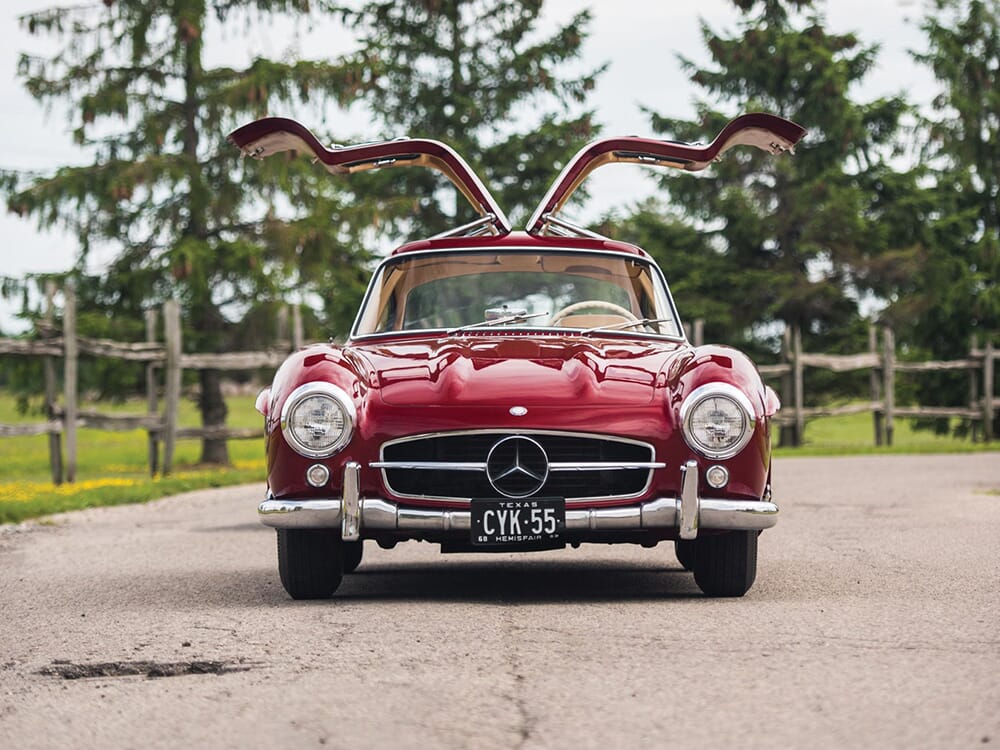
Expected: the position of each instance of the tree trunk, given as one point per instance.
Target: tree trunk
(205, 316)
(213, 414)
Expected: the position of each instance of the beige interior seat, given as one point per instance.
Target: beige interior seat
(592, 320)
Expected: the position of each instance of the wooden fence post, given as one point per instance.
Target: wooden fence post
(974, 388)
(699, 331)
(298, 337)
(282, 327)
(788, 437)
(799, 386)
(172, 381)
(988, 370)
(152, 407)
(70, 385)
(889, 380)
(875, 386)
(49, 374)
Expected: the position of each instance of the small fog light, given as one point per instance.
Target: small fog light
(717, 477)
(317, 475)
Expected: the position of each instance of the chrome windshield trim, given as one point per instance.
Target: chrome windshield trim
(550, 332)
(644, 258)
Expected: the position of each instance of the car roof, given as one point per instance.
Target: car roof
(521, 241)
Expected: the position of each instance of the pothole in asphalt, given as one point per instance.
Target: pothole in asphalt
(152, 669)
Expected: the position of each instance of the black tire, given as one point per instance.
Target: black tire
(353, 552)
(726, 564)
(310, 562)
(686, 551)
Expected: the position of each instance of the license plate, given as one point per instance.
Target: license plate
(518, 523)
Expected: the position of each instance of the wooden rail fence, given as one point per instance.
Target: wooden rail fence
(62, 422)
(882, 364)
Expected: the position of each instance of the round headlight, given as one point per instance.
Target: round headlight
(317, 419)
(717, 420)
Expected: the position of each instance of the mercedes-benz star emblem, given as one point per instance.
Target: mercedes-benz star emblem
(517, 466)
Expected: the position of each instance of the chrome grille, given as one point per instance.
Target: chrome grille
(452, 466)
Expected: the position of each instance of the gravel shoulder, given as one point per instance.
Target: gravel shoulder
(874, 622)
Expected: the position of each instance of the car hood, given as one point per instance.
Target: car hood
(516, 371)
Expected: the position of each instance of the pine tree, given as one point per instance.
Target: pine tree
(472, 73)
(793, 235)
(163, 187)
(955, 291)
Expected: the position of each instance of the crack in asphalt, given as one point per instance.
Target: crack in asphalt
(516, 696)
(151, 669)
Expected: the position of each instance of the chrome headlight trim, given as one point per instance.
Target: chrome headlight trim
(340, 400)
(717, 390)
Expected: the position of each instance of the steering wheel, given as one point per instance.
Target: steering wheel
(591, 303)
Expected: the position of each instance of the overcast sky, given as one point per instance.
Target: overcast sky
(640, 40)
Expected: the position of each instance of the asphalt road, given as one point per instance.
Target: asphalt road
(874, 622)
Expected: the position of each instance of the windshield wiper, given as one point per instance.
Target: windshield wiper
(625, 326)
(516, 318)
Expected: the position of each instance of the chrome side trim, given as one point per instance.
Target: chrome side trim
(687, 506)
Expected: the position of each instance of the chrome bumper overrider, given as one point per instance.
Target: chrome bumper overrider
(358, 516)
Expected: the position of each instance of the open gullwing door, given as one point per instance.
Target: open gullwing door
(766, 132)
(272, 135)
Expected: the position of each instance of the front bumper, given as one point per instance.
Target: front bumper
(361, 517)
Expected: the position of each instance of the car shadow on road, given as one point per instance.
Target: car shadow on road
(510, 583)
(514, 582)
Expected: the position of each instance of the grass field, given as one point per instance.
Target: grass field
(112, 467)
(855, 434)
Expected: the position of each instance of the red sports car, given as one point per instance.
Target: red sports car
(517, 390)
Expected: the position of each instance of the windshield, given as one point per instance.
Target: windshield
(457, 290)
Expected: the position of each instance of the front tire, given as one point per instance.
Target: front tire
(353, 552)
(310, 562)
(726, 564)
(687, 552)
